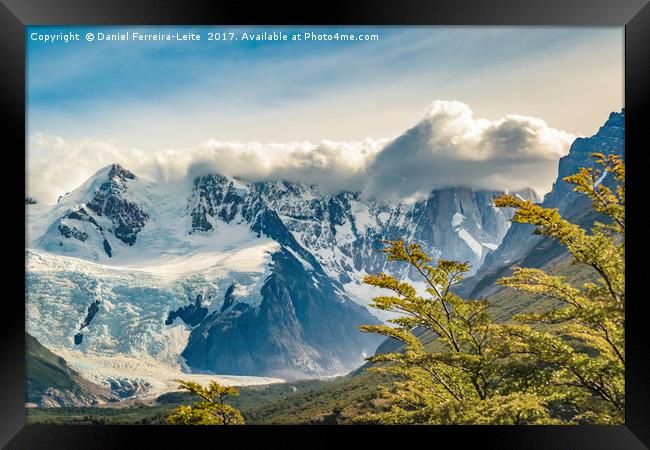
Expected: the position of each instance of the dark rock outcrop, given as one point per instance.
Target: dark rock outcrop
(229, 298)
(73, 233)
(74, 224)
(214, 196)
(109, 200)
(107, 248)
(191, 314)
(92, 310)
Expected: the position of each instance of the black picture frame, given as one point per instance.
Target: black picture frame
(634, 15)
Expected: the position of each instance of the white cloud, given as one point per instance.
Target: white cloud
(449, 146)
(57, 166)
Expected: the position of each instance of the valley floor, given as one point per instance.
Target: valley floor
(336, 400)
(153, 377)
(300, 402)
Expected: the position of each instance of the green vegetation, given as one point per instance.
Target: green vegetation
(335, 401)
(472, 378)
(135, 415)
(210, 410)
(587, 350)
(481, 372)
(251, 400)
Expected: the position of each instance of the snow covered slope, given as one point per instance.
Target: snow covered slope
(128, 343)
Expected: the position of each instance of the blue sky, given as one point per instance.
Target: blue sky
(228, 90)
(92, 103)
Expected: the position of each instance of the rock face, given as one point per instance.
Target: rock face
(126, 216)
(214, 197)
(327, 242)
(303, 326)
(520, 246)
(191, 314)
(610, 139)
(344, 232)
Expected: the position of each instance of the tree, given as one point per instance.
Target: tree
(470, 377)
(564, 365)
(586, 347)
(211, 410)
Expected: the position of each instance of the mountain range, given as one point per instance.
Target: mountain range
(218, 275)
(221, 275)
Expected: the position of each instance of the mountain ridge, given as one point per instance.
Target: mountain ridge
(520, 246)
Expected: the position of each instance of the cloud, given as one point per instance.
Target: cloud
(57, 166)
(448, 147)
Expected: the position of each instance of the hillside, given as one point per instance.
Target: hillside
(50, 382)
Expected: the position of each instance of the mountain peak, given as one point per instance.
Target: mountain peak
(117, 171)
(615, 119)
(528, 194)
(111, 172)
(107, 208)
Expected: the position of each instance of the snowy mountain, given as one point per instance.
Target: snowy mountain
(343, 232)
(220, 275)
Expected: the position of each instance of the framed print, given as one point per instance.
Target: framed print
(391, 219)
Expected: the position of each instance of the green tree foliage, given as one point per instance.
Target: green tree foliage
(586, 346)
(472, 378)
(210, 410)
(481, 372)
